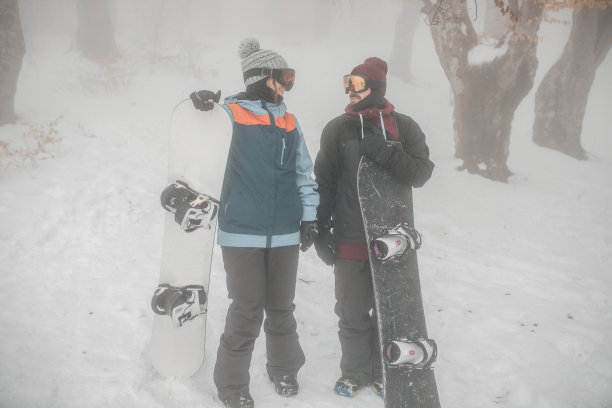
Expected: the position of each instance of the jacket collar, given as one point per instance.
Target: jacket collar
(377, 114)
(256, 106)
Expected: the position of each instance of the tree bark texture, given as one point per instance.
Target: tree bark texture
(562, 96)
(486, 95)
(495, 23)
(12, 50)
(95, 35)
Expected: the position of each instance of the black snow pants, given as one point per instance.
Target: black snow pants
(358, 328)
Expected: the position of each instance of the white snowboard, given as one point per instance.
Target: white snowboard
(199, 144)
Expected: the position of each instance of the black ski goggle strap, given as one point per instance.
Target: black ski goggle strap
(284, 76)
(361, 83)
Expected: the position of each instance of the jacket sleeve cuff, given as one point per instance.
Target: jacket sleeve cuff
(309, 213)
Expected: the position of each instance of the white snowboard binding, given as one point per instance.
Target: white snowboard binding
(418, 354)
(191, 209)
(396, 242)
(180, 303)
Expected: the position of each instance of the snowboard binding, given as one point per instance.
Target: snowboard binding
(191, 209)
(180, 303)
(396, 242)
(417, 354)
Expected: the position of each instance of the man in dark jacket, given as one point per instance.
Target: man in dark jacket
(369, 127)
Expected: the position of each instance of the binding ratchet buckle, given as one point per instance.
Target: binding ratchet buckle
(191, 209)
(396, 242)
(417, 354)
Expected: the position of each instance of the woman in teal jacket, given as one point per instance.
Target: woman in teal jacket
(268, 207)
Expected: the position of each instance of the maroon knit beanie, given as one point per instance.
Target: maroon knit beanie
(375, 70)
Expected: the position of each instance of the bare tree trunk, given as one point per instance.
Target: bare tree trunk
(486, 94)
(562, 96)
(495, 24)
(95, 34)
(12, 50)
(405, 27)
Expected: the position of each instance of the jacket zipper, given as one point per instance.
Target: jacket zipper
(283, 151)
(268, 233)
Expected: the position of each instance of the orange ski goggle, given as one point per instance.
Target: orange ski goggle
(355, 83)
(360, 83)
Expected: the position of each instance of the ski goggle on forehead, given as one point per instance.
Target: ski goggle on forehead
(284, 76)
(355, 83)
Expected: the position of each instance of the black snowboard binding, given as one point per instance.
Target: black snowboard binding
(396, 242)
(191, 209)
(180, 303)
(417, 354)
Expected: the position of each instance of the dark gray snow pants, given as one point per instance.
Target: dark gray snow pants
(258, 280)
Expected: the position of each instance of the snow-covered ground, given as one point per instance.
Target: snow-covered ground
(516, 277)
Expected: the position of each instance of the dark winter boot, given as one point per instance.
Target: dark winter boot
(285, 385)
(347, 386)
(240, 400)
(378, 387)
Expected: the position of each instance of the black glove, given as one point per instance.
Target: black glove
(375, 147)
(203, 100)
(308, 233)
(325, 245)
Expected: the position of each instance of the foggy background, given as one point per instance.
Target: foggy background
(515, 268)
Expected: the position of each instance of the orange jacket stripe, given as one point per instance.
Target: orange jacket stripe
(286, 122)
(246, 117)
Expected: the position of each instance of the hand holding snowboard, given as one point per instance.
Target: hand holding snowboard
(205, 100)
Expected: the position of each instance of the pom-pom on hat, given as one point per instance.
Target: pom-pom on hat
(253, 56)
(375, 70)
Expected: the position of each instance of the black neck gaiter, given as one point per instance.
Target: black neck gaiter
(261, 91)
(373, 100)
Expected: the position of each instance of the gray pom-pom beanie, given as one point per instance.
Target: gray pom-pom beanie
(254, 57)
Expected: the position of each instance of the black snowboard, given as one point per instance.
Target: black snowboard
(385, 203)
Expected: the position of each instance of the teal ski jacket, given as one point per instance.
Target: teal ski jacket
(268, 186)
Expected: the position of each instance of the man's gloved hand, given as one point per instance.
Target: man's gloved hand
(308, 233)
(325, 245)
(375, 147)
(204, 100)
